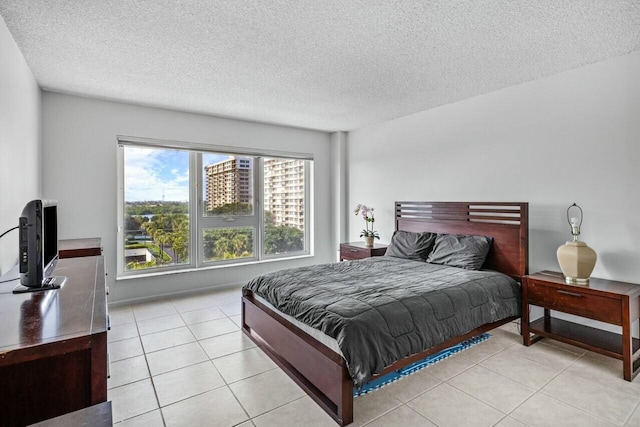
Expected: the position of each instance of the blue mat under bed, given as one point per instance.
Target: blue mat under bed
(416, 366)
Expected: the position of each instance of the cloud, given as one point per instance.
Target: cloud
(156, 174)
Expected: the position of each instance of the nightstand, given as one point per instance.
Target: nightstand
(616, 303)
(358, 250)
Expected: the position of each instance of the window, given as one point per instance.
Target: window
(187, 207)
(156, 208)
(284, 206)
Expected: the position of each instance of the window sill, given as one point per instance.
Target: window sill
(209, 267)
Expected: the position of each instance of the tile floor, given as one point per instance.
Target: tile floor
(184, 362)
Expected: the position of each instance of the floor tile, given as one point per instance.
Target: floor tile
(402, 416)
(121, 315)
(446, 406)
(228, 296)
(244, 364)
(150, 419)
(122, 332)
(553, 357)
(167, 339)
(264, 392)
(216, 408)
(213, 328)
(132, 399)
(237, 320)
(199, 316)
(124, 349)
(544, 411)
(175, 358)
(606, 371)
(564, 346)
(486, 349)
(223, 345)
(192, 303)
(522, 370)
(127, 371)
(158, 324)
(233, 309)
(302, 412)
(449, 367)
(372, 405)
(186, 382)
(634, 420)
(510, 422)
(411, 386)
(592, 397)
(509, 332)
(153, 310)
(491, 388)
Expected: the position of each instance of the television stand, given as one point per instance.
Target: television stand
(51, 282)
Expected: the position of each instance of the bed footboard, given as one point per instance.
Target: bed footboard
(317, 369)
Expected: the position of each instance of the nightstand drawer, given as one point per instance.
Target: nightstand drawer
(351, 252)
(575, 301)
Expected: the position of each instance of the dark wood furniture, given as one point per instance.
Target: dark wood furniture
(321, 372)
(358, 250)
(608, 301)
(53, 345)
(73, 248)
(94, 416)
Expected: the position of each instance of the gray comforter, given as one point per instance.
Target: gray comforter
(382, 309)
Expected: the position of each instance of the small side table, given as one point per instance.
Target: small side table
(616, 303)
(358, 250)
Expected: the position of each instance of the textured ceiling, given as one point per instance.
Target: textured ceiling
(329, 65)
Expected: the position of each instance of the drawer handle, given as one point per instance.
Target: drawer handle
(353, 250)
(573, 294)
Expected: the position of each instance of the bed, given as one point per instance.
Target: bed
(318, 367)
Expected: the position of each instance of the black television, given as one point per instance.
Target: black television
(38, 245)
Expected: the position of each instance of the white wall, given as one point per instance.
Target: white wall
(571, 137)
(339, 189)
(79, 146)
(19, 143)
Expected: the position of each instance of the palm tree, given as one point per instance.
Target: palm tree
(179, 236)
(162, 238)
(239, 242)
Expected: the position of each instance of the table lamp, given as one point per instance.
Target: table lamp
(576, 259)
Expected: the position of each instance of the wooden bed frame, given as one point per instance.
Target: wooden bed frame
(320, 371)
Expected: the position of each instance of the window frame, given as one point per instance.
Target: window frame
(198, 222)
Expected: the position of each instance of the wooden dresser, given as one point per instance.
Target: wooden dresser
(73, 248)
(53, 345)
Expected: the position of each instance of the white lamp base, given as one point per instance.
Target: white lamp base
(577, 261)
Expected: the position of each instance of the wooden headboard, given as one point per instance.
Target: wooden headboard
(507, 223)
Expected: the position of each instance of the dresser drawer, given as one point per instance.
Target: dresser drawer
(575, 301)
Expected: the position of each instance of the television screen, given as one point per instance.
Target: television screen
(49, 238)
(38, 245)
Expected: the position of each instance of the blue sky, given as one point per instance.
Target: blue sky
(151, 173)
